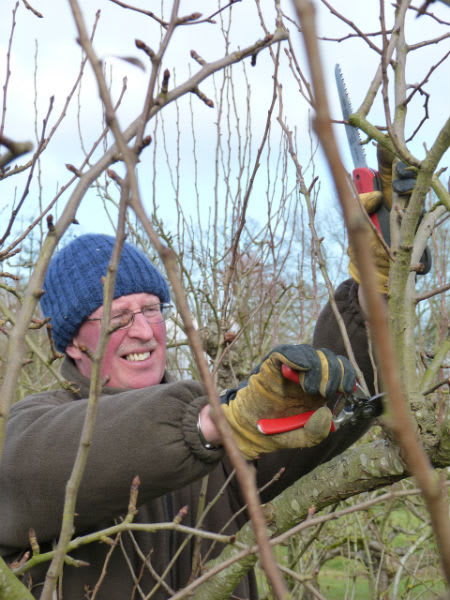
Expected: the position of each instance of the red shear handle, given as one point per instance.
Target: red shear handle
(284, 424)
(290, 374)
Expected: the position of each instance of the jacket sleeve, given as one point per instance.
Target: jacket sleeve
(150, 432)
(326, 335)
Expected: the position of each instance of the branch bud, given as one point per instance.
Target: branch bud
(143, 46)
(73, 169)
(165, 82)
(33, 541)
(180, 515)
(134, 495)
(198, 58)
(50, 224)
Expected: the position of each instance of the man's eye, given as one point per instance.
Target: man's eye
(151, 310)
(119, 317)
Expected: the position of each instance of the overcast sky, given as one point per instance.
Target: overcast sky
(44, 50)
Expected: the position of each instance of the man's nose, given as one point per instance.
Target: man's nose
(140, 327)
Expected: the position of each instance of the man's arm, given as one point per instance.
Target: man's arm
(327, 333)
(151, 432)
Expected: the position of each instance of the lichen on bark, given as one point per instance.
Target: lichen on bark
(10, 587)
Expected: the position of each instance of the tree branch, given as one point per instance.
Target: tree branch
(401, 422)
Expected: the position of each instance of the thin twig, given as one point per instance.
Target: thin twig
(142, 11)
(431, 293)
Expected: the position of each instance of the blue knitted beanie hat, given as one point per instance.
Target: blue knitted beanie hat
(73, 284)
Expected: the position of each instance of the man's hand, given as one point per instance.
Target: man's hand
(290, 380)
(403, 184)
(405, 177)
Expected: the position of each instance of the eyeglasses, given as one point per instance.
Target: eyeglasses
(152, 313)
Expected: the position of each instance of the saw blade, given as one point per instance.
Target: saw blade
(356, 149)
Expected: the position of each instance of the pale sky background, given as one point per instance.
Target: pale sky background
(53, 62)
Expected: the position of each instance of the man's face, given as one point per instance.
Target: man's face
(135, 357)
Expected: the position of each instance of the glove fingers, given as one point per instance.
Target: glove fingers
(348, 381)
(338, 374)
(302, 358)
(331, 372)
(405, 179)
(405, 171)
(317, 371)
(403, 186)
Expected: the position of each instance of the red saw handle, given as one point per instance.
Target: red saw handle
(365, 179)
(368, 180)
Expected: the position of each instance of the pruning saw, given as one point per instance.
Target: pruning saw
(364, 178)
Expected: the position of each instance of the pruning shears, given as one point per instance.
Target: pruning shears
(349, 408)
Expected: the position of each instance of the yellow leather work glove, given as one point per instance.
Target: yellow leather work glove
(311, 376)
(372, 203)
(380, 202)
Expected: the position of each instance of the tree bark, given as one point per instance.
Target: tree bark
(10, 587)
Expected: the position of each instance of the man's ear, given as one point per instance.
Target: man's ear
(73, 350)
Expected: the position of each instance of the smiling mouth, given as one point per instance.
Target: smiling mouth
(137, 356)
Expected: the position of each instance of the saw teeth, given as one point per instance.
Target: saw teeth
(356, 148)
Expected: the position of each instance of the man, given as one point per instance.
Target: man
(151, 426)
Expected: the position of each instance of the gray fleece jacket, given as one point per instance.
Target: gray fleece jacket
(150, 432)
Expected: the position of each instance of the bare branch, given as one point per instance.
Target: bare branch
(16, 149)
(402, 421)
(361, 34)
(33, 10)
(142, 11)
(431, 293)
